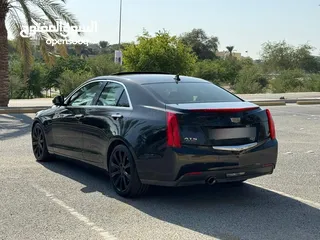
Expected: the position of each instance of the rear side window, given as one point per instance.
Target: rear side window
(123, 101)
(113, 94)
(172, 93)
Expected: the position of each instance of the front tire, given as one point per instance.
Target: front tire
(39, 144)
(123, 173)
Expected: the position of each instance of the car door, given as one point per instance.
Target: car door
(67, 125)
(103, 121)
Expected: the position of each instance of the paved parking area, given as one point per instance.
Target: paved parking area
(62, 200)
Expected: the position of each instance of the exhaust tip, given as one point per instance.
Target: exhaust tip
(211, 180)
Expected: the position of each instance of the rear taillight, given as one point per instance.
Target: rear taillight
(272, 128)
(173, 133)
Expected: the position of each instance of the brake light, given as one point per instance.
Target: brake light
(173, 133)
(224, 110)
(272, 128)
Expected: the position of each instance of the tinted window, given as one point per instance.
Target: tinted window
(123, 101)
(172, 93)
(85, 95)
(111, 94)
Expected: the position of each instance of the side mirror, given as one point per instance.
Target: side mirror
(58, 101)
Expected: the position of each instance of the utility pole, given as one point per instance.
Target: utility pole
(118, 54)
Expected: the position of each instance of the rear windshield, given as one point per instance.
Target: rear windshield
(172, 93)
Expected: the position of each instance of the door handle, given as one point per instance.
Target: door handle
(116, 115)
(79, 116)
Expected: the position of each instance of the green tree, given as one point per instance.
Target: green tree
(61, 65)
(213, 71)
(280, 56)
(202, 45)
(103, 65)
(230, 49)
(162, 53)
(33, 12)
(246, 62)
(103, 44)
(232, 66)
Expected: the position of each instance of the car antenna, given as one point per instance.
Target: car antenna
(177, 78)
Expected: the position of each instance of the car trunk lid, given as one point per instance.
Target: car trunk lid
(226, 126)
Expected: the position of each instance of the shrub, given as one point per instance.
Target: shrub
(251, 80)
(69, 80)
(103, 65)
(289, 81)
(312, 83)
(209, 70)
(162, 53)
(217, 71)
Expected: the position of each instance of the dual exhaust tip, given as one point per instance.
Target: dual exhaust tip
(211, 180)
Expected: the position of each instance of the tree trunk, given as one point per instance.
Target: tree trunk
(4, 67)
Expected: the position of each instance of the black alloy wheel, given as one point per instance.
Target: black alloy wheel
(39, 145)
(123, 173)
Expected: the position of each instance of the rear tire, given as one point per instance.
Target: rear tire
(39, 144)
(123, 173)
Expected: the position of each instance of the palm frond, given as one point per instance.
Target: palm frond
(26, 11)
(45, 53)
(53, 9)
(62, 50)
(38, 12)
(24, 47)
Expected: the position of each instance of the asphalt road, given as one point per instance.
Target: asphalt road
(63, 200)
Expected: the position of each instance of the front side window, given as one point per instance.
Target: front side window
(113, 94)
(85, 95)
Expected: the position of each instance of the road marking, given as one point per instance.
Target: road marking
(103, 233)
(308, 202)
(310, 151)
(287, 153)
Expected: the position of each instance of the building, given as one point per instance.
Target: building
(225, 54)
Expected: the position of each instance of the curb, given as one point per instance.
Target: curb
(307, 102)
(10, 110)
(269, 103)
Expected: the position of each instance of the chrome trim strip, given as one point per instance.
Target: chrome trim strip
(235, 148)
(107, 107)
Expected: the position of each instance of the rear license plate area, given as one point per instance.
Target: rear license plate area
(232, 136)
(233, 133)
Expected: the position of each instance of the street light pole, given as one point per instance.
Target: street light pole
(120, 22)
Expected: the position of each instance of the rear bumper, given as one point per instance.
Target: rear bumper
(194, 165)
(220, 176)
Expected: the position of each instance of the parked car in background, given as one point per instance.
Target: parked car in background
(158, 129)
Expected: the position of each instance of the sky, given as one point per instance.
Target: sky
(244, 24)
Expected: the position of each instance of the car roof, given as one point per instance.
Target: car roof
(147, 78)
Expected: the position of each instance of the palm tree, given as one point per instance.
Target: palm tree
(22, 13)
(230, 49)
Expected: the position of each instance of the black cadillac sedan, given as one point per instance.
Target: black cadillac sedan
(158, 129)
